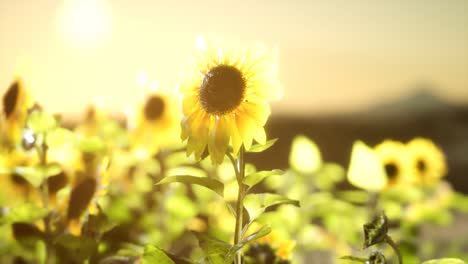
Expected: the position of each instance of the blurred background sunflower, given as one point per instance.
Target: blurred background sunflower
(427, 160)
(395, 159)
(154, 123)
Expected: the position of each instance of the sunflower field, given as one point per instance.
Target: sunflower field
(171, 182)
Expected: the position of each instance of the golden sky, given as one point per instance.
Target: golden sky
(335, 55)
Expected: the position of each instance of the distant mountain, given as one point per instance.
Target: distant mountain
(421, 102)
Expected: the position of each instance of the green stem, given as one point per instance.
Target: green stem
(395, 248)
(42, 153)
(240, 207)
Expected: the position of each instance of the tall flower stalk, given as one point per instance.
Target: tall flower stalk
(240, 169)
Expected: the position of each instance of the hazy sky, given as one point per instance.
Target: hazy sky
(335, 55)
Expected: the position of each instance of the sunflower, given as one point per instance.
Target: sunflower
(15, 188)
(16, 103)
(155, 124)
(225, 100)
(427, 160)
(394, 158)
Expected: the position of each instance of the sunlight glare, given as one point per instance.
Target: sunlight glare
(85, 23)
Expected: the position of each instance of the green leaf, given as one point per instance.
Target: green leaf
(328, 175)
(305, 155)
(215, 249)
(445, 261)
(154, 255)
(376, 231)
(91, 144)
(256, 177)
(260, 148)
(354, 196)
(35, 175)
(352, 259)
(211, 184)
(256, 204)
(26, 212)
(460, 202)
(77, 248)
(41, 122)
(263, 231)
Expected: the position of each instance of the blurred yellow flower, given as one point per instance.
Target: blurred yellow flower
(15, 188)
(155, 124)
(427, 161)
(225, 100)
(395, 159)
(16, 103)
(365, 168)
(282, 248)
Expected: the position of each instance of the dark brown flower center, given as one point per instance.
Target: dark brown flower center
(10, 99)
(391, 169)
(421, 165)
(154, 108)
(222, 89)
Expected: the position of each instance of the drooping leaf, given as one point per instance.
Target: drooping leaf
(257, 203)
(26, 213)
(445, 261)
(153, 255)
(260, 148)
(209, 183)
(365, 169)
(256, 177)
(376, 231)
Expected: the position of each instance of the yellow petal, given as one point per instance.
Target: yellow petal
(236, 139)
(190, 104)
(259, 111)
(246, 128)
(219, 140)
(365, 169)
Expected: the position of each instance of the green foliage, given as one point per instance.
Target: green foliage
(26, 212)
(209, 183)
(256, 204)
(260, 148)
(445, 261)
(376, 231)
(35, 175)
(75, 249)
(153, 255)
(256, 177)
(41, 122)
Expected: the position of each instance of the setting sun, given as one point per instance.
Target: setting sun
(85, 23)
